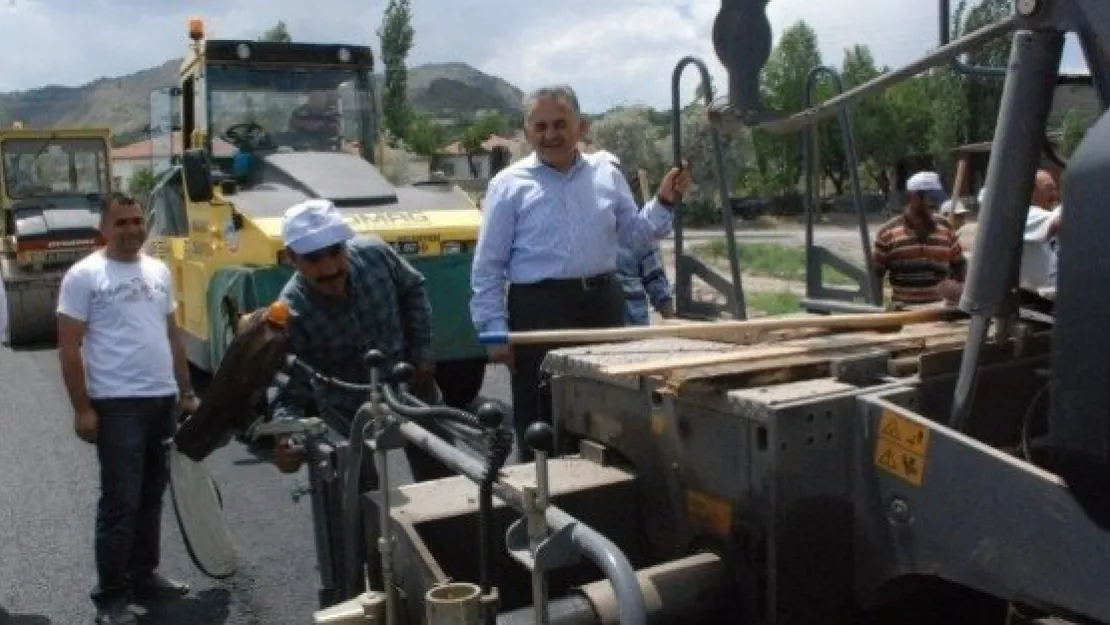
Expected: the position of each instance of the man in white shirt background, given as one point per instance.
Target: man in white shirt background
(1042, 223)
(124, 368)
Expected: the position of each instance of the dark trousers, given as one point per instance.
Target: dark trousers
(133, 477)
(553, 305)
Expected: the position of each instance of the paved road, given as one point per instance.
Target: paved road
(48, 497)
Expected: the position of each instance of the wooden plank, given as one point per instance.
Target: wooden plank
(718, 330)
(824, 345)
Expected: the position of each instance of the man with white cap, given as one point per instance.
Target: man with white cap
(955, 212)
(347, 297)
(921, 254)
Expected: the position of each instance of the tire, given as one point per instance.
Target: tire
(460, 381)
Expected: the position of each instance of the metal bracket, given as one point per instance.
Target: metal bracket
(387, 437)
(556, 551)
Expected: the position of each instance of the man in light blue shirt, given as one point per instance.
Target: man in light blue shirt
(551, 226)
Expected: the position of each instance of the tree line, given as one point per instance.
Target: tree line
(915, 123)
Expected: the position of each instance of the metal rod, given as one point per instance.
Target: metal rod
(945, 14)
(809, 149)
(942, 55)
(352, 560)
(738, 305)
(988, 292)
(385, 537)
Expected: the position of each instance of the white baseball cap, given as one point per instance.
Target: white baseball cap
(313, 225)
(927, 182)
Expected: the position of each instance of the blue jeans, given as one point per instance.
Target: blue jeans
(133, 476)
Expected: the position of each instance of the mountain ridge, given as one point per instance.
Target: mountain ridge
(453, 90)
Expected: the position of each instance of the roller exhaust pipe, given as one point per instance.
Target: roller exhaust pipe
(457, 603)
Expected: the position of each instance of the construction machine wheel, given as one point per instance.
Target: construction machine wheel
(460, 381)
(31, 314)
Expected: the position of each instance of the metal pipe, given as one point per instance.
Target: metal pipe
(385, 538)
(676, 592)
(739, 306)
(945, 14)
(591, 544)
(611, 560)
(943, 54)
(352, 561)
(809, 147)
(1026, 100)
(457, 603)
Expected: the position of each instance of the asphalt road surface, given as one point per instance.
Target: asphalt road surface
(48, 498)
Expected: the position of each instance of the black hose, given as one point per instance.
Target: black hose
(500, 446)
(426, 412)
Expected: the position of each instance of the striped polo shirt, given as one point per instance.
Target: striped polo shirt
(918, 260)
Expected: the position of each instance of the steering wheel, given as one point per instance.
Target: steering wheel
(245, 135)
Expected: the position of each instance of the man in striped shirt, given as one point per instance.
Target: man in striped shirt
(919, 250)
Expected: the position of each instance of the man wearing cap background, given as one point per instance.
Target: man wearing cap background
(347, 297)
(921, 254)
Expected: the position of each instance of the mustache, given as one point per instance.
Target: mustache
(331, 277)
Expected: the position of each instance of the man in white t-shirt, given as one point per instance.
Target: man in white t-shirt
(125, 370)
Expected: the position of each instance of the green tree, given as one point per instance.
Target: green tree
(396, 34)
(631, 135)
(982, 95)
(778, 158)
(278, 33)
(422, 136)
(1073, 128)
(141, 183)
(477, 133)
(878, 134)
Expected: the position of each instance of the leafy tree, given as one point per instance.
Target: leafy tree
(631, 135)
(422, 136)
(1073, 128)
(778, 158)
(278, 33)
(396, 34)
(879, 135)
(477, 133)
(141, 183)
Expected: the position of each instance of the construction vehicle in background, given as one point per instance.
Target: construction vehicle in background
(215, 212)
(52, 181)
(941, 466)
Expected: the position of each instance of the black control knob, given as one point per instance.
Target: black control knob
(540, 437)
(403, 373)
(373, 359)
(490, 415)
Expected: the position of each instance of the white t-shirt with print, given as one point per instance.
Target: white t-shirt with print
(1038, 256)
(124, 306)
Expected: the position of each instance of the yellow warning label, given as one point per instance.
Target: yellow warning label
(904, 433)
(899, 462)
(709, 512)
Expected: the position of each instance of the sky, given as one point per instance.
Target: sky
(613, 52)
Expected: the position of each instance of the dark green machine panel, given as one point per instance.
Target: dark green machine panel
(447, 282)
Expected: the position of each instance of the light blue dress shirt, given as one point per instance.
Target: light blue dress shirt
(539, 223)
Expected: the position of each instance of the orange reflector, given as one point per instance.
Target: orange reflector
(278, 313)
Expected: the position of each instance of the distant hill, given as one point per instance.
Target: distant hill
(122, 103)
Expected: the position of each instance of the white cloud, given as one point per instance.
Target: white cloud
(612, 51)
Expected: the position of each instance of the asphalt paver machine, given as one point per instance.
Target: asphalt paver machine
(943, 471)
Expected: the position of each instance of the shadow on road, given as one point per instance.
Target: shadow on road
(7, 618)
(206, 606)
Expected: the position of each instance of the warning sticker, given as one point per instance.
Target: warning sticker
(903, 432)
(899, 462)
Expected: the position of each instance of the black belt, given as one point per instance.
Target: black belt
(589, 283)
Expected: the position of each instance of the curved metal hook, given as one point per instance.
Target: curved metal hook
(739, 309)
(874, 294)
